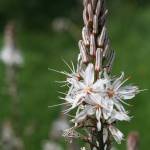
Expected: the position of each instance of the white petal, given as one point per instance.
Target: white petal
(78, 99)
(118, 81)
(81, 116)
(118, 116)
(128, 92)
(69, 100)
(75, 102)
(108, 108)
(119, 106)
(89, 75)
(75, 83)
(99, 126)
(100, 85)
(98, 116)
(117, 134)
(95, 99)
(90, 110)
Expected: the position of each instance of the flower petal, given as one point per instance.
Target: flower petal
(128, 92)
(75, 83)
(118, 106)
(108, 108)
(117, 134)
(95, 99)
(118, 81)
(118, 116)
(89, 75)
(98, 117)
(100, 85)
(99, 126)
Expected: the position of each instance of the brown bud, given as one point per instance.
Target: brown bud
(95, 24)
(85, 17)
(83, 52)
(85, 2)
(90, 12)
(101, 38)
(92, 45)
(85, 36)
(94, 4)
(98, 8)
(99, 57)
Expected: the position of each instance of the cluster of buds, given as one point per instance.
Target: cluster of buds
(95, 45)
(97, 97)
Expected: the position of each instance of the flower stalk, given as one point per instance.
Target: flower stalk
(97, 97)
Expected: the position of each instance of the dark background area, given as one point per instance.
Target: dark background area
(37, 13)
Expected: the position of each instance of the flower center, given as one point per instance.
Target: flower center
(88, 90)
(110, 93)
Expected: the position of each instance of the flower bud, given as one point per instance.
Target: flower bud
(85, 18)
(95, 24)
(101, 38)
(98, 63)
(90, 12)
(83, 52)
(94, 4)
(85, 36)
(92, 45)
(98, 8)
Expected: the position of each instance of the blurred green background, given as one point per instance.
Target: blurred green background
(43, 45)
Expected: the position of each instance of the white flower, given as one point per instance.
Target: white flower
(100, 98)
(87, 90)
(116, 91)
(117, 134)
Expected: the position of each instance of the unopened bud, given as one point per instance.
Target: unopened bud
(90, 12)
(98, 8)
(83, 52)
(85, 2)
(94, 4)
(95, 24)
(101, 38)
(98, 63)
(85, 18)
(85, 36)
(92, 45)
